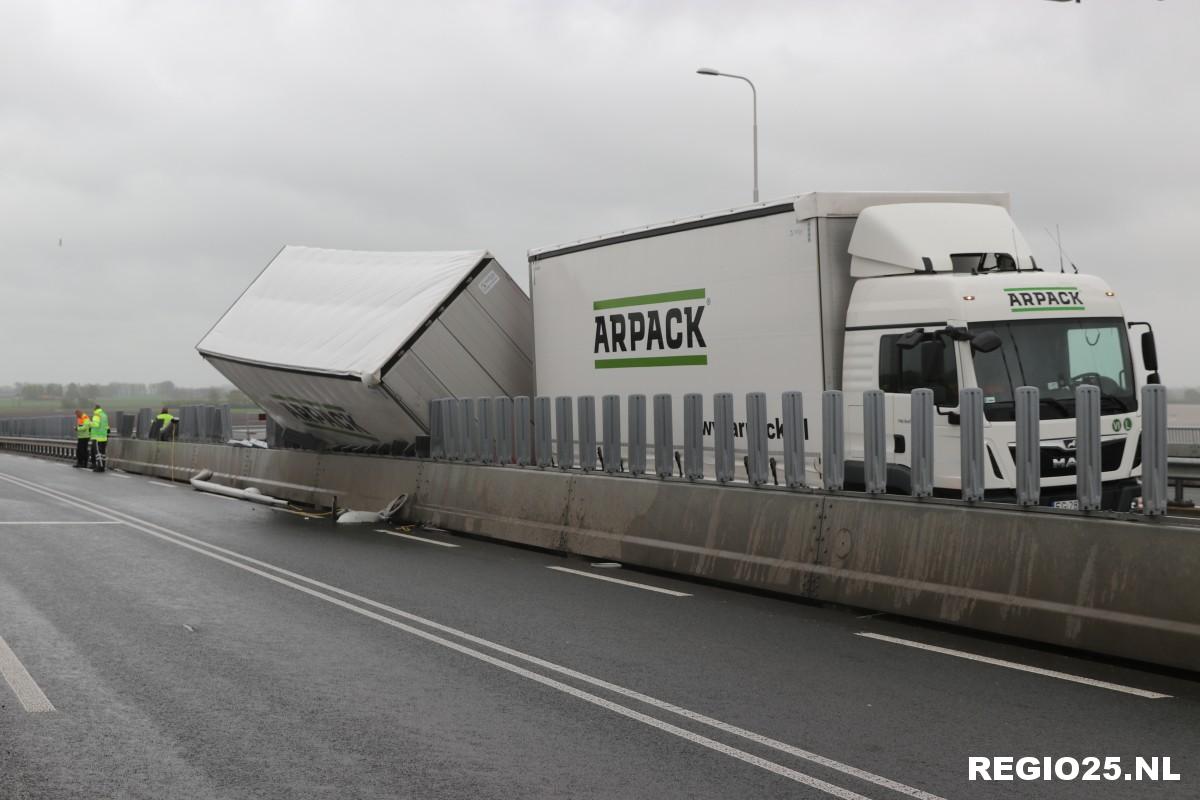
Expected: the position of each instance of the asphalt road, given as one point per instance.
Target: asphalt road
(156, 642)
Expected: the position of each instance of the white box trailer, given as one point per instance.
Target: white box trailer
(813, 293)
(351, 346)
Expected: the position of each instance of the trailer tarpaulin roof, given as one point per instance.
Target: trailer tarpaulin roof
(343, 312)
(351, 346)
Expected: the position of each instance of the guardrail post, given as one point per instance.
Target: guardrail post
(637, 434)
(449, 426)
(1027, 404)
(723, 436)
(487, 430)
(833, 440)
(542, 432)
(144, 420)
(970, 409)
(664, 437)
(504, 430)
(587, 432)
(452, 421)
(523, 429)
(756, 438)
(921, 450)
(1087, 446)
(611, 411)
(693, 436)
(793, 440)
(469, 430)
(874, 442)
(1154, 450)
(437, 430)
(564, 428)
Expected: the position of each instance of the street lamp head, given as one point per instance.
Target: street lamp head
(707, 71)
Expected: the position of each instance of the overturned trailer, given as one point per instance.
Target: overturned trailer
(350, 347)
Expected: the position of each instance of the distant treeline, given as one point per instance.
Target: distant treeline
(1183, 394)
(77, 395)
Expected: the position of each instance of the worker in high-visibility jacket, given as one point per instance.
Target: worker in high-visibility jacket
(83, 438)
(99, 439)
(166, 419)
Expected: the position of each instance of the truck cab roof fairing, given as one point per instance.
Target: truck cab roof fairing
(921, 237)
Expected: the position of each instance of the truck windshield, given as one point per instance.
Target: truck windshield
(1056, 355)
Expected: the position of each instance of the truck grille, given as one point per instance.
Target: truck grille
(1058, 461)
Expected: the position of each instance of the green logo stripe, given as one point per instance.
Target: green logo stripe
(649, 299)
(1043, 289)
(652, 361)
(1047, 308)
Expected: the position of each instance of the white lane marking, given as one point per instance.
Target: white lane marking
(647, 587)
(168, 485)
(45, 522)
(118, 475)
(1116, 687)
(21, 682)
(663, 705)
(416, 538)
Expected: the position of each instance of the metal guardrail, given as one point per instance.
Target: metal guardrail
(552, 445)
(1183, 437)
(36, 446)
(196, 423)
(1183, 465)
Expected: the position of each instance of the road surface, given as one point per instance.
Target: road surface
(156, 642)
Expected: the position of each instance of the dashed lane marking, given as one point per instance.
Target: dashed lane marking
(645, 586)
(21, 682)
(416, 538)
(1049, 673)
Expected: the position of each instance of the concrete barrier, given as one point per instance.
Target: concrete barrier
(1120, 585)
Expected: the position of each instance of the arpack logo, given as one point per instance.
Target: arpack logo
(1045, 298)
(668, 335)
(323, 416)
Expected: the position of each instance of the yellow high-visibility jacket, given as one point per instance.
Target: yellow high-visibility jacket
(100, 426)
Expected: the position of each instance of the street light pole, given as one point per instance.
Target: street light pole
(754, 99)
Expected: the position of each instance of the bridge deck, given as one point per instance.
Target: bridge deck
(197, 646)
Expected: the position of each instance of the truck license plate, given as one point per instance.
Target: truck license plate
(1072, 504)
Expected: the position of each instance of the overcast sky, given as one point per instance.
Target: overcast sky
(174, 147)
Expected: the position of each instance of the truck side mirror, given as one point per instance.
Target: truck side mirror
(986, 341)
(1149, 352)
(911, 339)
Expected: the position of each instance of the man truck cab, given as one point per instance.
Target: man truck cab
(925, 312)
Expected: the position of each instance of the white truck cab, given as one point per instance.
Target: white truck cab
(918, 306)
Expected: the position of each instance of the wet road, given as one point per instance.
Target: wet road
(156, 642)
